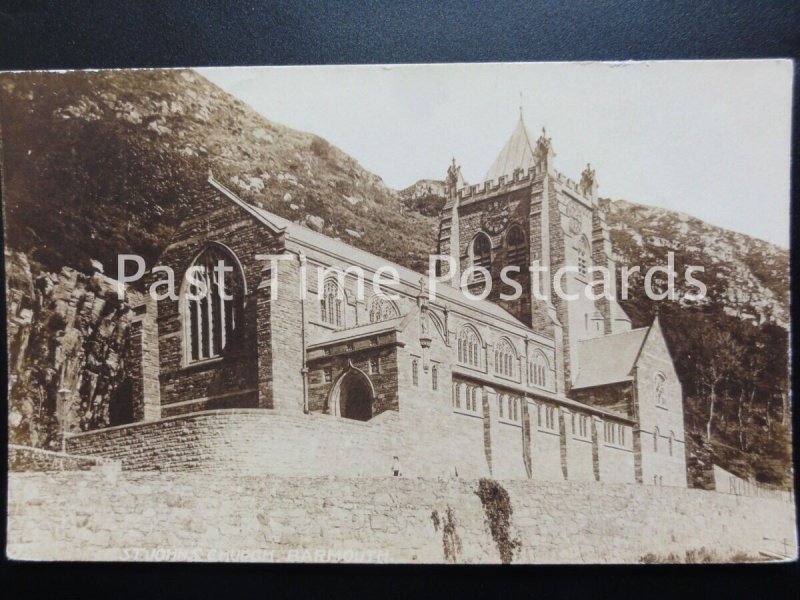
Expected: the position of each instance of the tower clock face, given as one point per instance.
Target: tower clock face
(496, 216)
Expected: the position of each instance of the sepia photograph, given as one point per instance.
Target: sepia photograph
(476, 313)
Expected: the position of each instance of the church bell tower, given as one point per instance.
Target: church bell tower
(526, 214)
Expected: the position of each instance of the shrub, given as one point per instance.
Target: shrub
(451, 541)
(320, 147)
(497, 510)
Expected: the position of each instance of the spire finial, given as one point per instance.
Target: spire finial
(520, 105)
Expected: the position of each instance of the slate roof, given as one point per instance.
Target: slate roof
(390, 325)
(516, 154)
(609, 359)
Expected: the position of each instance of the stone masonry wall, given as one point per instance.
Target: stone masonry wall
(214, 517)
(210, 384)
(663, 460)
(249, 442)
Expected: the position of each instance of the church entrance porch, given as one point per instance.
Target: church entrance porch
(352, 396)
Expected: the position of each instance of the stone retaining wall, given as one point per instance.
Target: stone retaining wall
(209, 516)
(249, 442)
(27, 458)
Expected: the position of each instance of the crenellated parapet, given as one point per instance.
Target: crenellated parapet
(502, 184)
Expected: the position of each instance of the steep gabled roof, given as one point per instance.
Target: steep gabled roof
(516, 154)
(609, 358)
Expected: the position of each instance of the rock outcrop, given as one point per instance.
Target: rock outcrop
(67, 351)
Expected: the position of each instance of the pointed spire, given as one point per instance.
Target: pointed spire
(516, 154)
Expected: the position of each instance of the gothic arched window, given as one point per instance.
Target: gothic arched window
(516, 248)
(331, 305)
(504, 357)
(469, 346)
(658, 389)
(538, 369)
(213, 303)
(381, 309)
(482, 251)
(655, 439)
(584, 252)
(671, 442)
(434, 377)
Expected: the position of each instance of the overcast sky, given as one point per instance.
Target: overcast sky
(711, 139)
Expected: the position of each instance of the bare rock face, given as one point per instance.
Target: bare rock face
(315, 222)
(67, 340)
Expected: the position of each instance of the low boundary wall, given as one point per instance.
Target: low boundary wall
(213, 517)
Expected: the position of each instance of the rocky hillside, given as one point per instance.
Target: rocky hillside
(747, 277)
(426, 197)
(139, 143)
(731, 349)
(66, 335)
(97, 164)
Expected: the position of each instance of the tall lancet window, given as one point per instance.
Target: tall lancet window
(482, 251)
(584, 257)
(659, 390)
(213, 303)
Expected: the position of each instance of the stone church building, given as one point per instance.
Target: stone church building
(334, 383)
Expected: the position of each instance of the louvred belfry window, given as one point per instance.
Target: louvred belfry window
(516, 247)
(213, 304)
(482, 251)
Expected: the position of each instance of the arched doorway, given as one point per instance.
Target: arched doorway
(352, 396)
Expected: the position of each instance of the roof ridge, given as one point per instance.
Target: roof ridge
(282, 224)
(608, 335)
